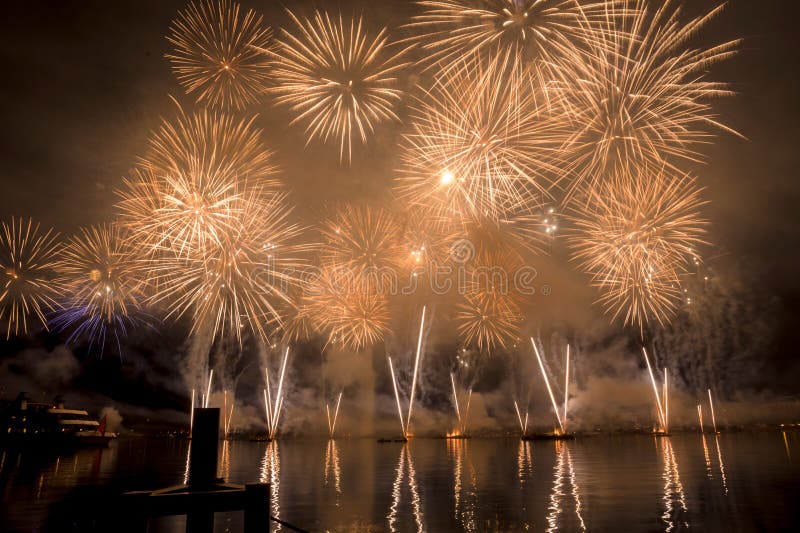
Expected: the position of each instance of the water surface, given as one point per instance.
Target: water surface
(731, 482)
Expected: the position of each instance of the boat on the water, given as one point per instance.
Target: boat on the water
(50, 424)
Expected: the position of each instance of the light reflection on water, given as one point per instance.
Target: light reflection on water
(737, 481)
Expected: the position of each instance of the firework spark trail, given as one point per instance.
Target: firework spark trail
(208, 389)
(566, 390)
(276, 406)
(332, 422)
(519, 417)
(339, 80)
(547, 382)
(666, 401)
(655, 389)
(515, 35)
(466, 411)
(397, 397)
(191, 415)
(30, 284)
(455, 402)
(416, 367)
(218, 55)
(638, 95)
(711, 405)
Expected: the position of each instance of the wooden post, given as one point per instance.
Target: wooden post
(200, 522)
(205, 443)
(256, 508)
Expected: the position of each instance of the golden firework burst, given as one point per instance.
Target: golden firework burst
(31, 284)
(340, 81)
(219, 53)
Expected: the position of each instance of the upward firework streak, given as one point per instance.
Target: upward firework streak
(700, 417)
(462, 421)
(405, 426)
(338, 79)
(272, 405)
(547, 383)
(332, 422)
(29, 281)
(661, 420)
(218, 54)
(523, 426)
(713, 417)
(566, 389)
(416, 368)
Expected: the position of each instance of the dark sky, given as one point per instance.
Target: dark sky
(84, 81)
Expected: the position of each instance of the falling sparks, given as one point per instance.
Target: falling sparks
(218, 53)
(31, 285)
(340, 80)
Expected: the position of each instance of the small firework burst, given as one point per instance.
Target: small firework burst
(104, 287)
(365, 244)
(351, 315)
(340, 81)
(219, 54)
(488, 320)
(636, 239)
(31, 284)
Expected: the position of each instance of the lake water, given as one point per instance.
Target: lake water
(746, 481)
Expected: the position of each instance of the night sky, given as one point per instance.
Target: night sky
(84, 82)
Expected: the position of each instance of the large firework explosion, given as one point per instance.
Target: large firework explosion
(219, 54)
(187, 192)
(481, 144)
(639, 95)
(340, 80)
(238, 284)
(31, 284)
(512, 35)
(636, 239)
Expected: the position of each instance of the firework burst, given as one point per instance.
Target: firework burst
(187, 192)
(365, 244)
(532, 34)
(636, 242)
(219, 54)
(481, 145)
(240, 283)
(352, 316)
(28, 256)
(488, 320)
(339, 80)
(640, 93)
(104, 286)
